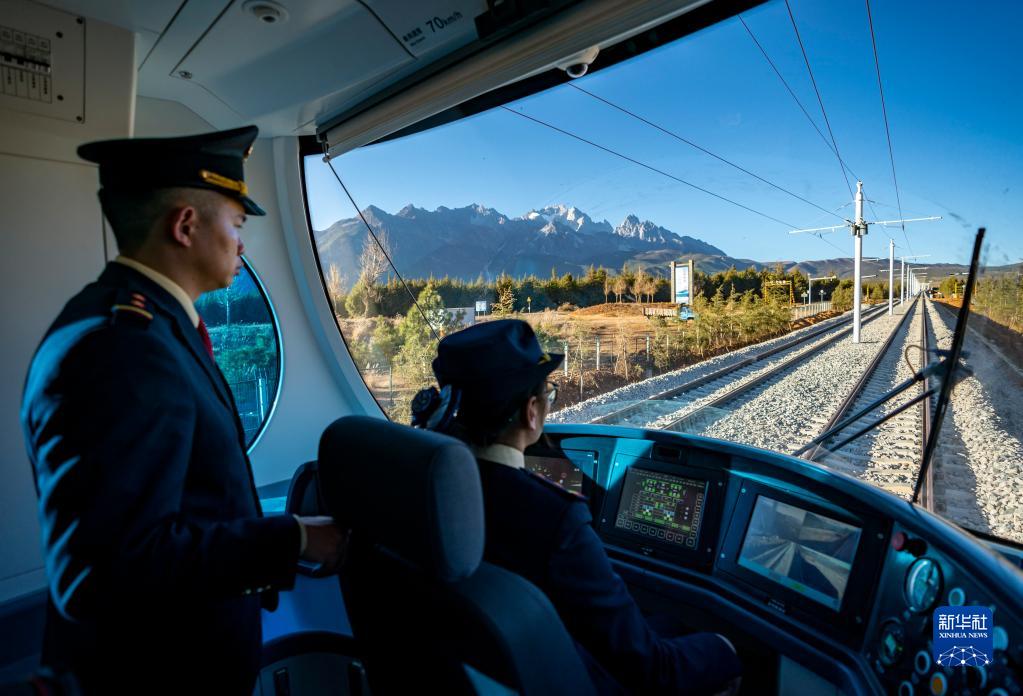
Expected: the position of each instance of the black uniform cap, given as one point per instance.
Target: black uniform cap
(496, 365)
(212, 161)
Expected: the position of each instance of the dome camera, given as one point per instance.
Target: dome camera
(577, 65)
(577, 70)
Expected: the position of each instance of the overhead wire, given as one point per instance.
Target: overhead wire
(678, 137)
(383, 249)
(820, 236)
(646, 166)
(791, 92)
(887, 130)
(799, 103)
(820, 101)
(833, 146)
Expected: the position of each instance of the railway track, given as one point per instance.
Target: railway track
(787, 405)
(890, 454)
(764, 364)
(701, 418)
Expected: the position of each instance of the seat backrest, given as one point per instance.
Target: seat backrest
(422, 604)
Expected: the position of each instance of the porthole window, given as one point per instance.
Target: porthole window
(247, 345)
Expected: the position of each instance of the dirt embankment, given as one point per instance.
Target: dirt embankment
(1004, 338)
(615, 321)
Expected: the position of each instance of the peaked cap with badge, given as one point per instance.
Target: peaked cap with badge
(158, 556)
(494, 365)
(212, 161)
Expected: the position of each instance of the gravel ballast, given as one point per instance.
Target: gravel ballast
(978, 465)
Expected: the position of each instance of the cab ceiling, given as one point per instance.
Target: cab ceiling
(224, 61)
(319, 59)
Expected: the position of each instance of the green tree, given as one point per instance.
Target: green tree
(842, 296)
(418, 346)
(359, 302)
(387, 340)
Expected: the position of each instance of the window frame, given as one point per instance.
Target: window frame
(687, 23)
(279, 337)
(308, 145)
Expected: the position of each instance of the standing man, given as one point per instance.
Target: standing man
(157, 553)
(544, 533)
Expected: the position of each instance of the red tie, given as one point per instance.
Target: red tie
(205, 336)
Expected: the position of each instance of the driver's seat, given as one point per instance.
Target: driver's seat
(427, 612)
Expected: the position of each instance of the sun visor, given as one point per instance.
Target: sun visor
(574, 32)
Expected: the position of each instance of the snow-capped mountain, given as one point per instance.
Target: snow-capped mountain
(473, 240)
(570, 216)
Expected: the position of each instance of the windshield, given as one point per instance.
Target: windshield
(681, 226)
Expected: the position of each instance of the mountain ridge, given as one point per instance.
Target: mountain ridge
(476, 240)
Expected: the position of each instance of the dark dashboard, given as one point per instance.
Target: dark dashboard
(836, 576)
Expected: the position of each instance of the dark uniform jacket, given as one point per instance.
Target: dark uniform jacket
(544, 533)
(157, 554)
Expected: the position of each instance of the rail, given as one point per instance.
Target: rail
(861, 384)
(681, 423)
(624, 413)
(927, 413)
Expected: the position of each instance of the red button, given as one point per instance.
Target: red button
(899, 540)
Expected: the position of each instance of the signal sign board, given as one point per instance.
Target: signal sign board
(682, 274)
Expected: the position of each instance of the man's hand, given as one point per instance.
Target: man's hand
(326, 543)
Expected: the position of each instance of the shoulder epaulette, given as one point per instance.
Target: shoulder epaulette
(133, 307)
(556, 486)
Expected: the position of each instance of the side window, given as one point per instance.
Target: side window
(247, 345)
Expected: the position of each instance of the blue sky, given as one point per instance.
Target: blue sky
(953, 81)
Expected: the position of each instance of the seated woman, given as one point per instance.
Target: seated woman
(496, 374)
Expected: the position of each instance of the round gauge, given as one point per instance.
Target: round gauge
(923, 584)
(891, 642)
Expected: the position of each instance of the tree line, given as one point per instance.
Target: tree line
(998, 297)
(371, 296)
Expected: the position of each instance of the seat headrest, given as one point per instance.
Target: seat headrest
(416, 493)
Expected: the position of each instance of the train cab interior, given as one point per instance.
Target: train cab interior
(826, 581)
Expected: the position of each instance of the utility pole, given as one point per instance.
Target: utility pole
(891, 276)
(906, 271)
(858, 228)
(902, 282)
(918, 279)
(924, 285)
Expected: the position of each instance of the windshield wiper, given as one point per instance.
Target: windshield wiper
(955, 352)
(938, 369)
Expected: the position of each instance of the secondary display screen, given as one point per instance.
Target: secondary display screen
(806, 552)
(661, 506)
(564, 471)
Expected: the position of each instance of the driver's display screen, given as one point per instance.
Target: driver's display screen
(802, 550)
(662, 507)
(566, 471)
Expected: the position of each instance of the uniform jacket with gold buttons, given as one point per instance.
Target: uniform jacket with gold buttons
(157, 554)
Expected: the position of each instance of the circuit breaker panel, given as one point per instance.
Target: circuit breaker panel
(42, 61)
